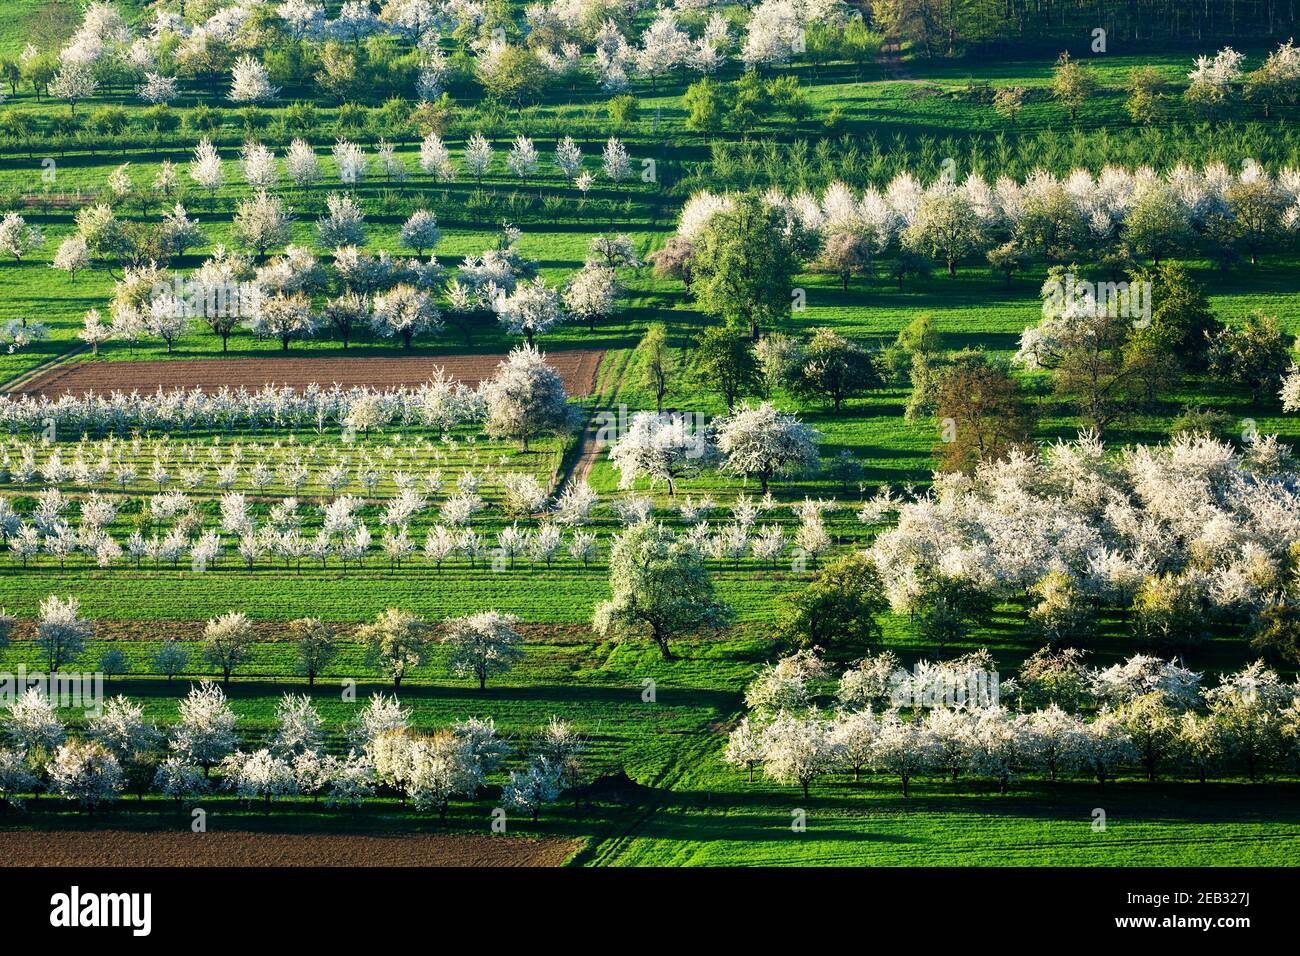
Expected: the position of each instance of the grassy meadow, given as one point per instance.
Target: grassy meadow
(865, 123)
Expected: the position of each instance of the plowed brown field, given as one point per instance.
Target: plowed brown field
(578, 368)
(126, 848)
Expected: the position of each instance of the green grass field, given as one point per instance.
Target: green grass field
(692, 809)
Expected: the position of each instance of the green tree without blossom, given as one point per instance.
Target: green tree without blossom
(744, 269)
(661, 589)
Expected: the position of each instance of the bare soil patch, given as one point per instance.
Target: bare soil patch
(578, 367)
(129, 848)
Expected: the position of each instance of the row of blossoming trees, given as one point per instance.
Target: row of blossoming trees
(294, 295)
(396, 643)
(121, 751)
(170, 532)
(399, 45)
(944, 720)
(1109, 217)
(1176, 538)
(1112, 218)
(1172, 539)
(1116, 336)
(1167, 540)
(950, 719)
(352, 55)
(523, 399)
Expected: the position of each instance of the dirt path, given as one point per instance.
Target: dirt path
(264, 631)
(49, 367)
(589, 445)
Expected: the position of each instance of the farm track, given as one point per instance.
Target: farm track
(578, 367)
(242, 848)
(606, 388)
(18, 385)
(588, 450)
(606, 850)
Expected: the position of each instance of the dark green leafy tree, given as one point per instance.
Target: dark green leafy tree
(835, 368)
(838, 607)
(726, 363)
(661, 590)
(1254, 356)
(744, 268)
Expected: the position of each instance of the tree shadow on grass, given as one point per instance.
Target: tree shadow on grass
(752, 828)
(1170, 801)
(566, 696)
